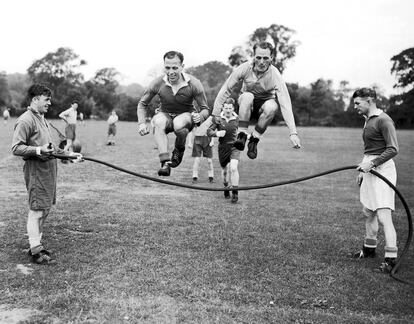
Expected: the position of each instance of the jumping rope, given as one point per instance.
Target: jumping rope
(276, 184)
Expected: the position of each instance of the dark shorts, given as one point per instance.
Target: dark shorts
(40, 178)
(169, 127)
(257, 107)
(202, 147)
(70, 131)
(112, 129)
(227, 152)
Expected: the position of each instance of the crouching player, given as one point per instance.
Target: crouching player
(225, 127)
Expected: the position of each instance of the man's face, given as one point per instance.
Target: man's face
(228, 110)
(173, 68)
(362, 105)
(42, 103)
(262, 59)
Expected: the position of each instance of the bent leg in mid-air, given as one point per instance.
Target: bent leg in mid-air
(182, 124)
(267, 113)
(245, 110)
(162, 123)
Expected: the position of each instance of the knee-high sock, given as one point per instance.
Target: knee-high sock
(33, 227)
(385, 219)
(181, 138)
(225, 175)
(210, 168)
(234, 173)
(196, 167)
(371, 226)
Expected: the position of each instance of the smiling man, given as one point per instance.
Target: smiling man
(263, 90)
(177, 92)
(33, 140)
(377, 198)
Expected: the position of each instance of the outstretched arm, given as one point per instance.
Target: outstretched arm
(228, 87)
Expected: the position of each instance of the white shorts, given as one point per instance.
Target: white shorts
(374, 192)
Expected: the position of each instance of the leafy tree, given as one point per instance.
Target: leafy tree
(102, 89)
(300, 97)
(403, 68)
(212, 75)
(133, 90)
(126, 107)
(5, 97)
(18, 85)
(281, 38)
(55, 67)
(402, 105)
(323, 104)
(59, 71)
(238, 56)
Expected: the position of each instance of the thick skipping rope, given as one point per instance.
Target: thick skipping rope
(276, 184)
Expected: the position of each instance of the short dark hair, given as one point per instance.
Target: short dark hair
(263, 45)
(365, 93)
(38, 89)
(230, 101)
(172, 54)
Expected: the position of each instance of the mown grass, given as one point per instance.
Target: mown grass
(134, 251)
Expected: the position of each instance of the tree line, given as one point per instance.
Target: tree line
(319, 104)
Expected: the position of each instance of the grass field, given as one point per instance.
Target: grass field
(134, 251)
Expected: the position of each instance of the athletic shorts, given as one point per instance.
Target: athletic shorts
(112, 129)
(70, 131)
(375, 193)
(40, 179)
(202, 147)
(227, 152)
(257, 107)
(169, 128)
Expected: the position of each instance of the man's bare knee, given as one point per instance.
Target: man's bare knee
(270, 107)
(160, 121)
(368, 212)
(182, 121)
(246, 99)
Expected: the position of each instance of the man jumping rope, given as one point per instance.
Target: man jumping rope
(177, 92)
(263, 91)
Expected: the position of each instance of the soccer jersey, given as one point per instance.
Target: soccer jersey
(70, 115)
(31, 131)
(268, 85)
(175, 103)
(112, 119)
(380, 137)
(229, 125)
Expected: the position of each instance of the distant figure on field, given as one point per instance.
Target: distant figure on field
(69, 117)
(81, 120)
(112, 120)
(6, 115)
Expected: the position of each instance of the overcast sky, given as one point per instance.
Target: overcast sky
(340, 40)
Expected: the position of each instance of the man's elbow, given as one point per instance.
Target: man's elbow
(15, 150)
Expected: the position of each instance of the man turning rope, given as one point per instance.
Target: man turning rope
(177, 92)
(377, 198)
(33, 141)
